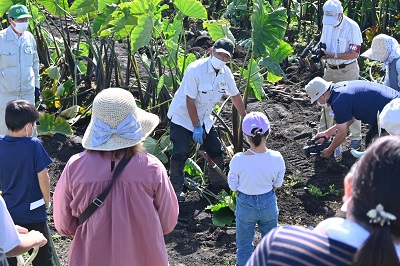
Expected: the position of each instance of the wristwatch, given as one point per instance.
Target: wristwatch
(336, 57)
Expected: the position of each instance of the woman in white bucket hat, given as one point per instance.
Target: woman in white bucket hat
(128, 227)
(386, 50)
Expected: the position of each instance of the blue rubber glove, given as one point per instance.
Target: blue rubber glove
(198, 133)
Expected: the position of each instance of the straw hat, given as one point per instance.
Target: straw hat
(117, 122)
(378, 50)
(316, 87)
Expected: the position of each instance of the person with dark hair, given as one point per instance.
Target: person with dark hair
(254, 175)
(129, 225)
(24, 180)
(350, 100)
(19, 62)
(205, 81)
(370, 232)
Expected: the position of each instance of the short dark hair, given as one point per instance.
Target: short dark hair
(19, 113)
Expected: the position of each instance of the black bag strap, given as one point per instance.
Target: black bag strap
(98, 201)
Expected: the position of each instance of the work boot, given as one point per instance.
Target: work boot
(216, 180)
(177, 178)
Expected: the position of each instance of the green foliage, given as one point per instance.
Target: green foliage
(49, 125)
(316, 191)
(223, 212)
(158, 147)
(292, 180)
(192, 168)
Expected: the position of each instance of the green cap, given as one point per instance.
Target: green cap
(18, 11)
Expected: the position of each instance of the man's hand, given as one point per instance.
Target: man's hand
(321, 137)
(198, 133)
(326, 153)
(37, 94)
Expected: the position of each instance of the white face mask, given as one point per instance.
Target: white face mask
(20, 27)
(322, 104)
(217, 63)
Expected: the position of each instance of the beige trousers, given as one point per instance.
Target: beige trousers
(350, 72)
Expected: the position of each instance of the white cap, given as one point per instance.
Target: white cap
(389, 118)
(332, 9)
(316, 87)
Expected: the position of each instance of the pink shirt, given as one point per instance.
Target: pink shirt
(129, 228)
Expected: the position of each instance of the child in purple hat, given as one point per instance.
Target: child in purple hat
(254, 175)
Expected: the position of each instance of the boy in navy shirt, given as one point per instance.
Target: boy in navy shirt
(24, 180)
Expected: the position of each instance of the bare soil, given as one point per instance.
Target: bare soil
(195, 240)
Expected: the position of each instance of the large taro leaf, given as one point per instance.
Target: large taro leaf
(268, 28)
(55, 7)
(256, 80)
(219, 29)
(152, 147)
(191, 8)
(223, 217)
(141, 34)
(271, 63)
(49, 125)
(5, 5)
(192, 168)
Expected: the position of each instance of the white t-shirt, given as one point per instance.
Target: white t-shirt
(339, 39)
(256, 174)
(203, 84)
(346, 231)
(9, 237)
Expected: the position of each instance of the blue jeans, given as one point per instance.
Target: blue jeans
(182, 139)
(251, 210)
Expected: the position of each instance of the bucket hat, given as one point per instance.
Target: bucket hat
(378, 50)
(332, 9)
(224, 45)
(255, 122)
(18, 11)
(389, 118)
(316, 87)
(117, 122)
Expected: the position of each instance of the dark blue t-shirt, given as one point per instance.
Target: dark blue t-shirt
(360, 99)
(21, 159)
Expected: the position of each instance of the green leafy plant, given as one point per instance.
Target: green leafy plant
(316, 191)
(333, 190)
(49, 125)
(223, 212)
(292, 180)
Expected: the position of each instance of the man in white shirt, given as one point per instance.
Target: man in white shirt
(19, 62)
(343, 39)
(202, 87)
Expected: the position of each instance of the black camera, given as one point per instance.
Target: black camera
(317, 52)
(313, 147)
